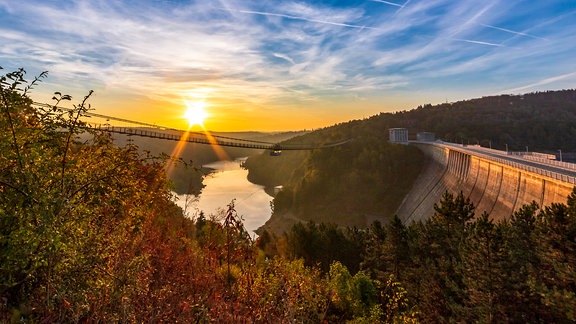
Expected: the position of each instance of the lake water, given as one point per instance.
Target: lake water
(229, 181)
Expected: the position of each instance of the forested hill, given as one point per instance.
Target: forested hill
(352, 184)
(543, 121)
(367, 178)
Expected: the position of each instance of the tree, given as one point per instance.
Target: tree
(556, 276)
(353, 296)
(437, 273)
(482, 259)
(396, 249)
(322, 244)
(520, 264)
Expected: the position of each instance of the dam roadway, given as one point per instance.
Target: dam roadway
(495, 181)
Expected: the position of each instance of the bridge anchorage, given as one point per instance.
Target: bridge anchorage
(148, 130)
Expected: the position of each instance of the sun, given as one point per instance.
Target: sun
(196, 113)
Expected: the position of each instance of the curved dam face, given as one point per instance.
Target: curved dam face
(494, 187)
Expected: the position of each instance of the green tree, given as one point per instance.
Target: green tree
(372, 261)
(353, 296)
(438, 286)
(396, 249)
(386, 250)
(483, 255)
(322, 244)
(520, 265)
(556, 279)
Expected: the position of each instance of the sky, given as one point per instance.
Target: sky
(273, 65)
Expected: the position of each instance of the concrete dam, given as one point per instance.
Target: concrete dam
(496, 182)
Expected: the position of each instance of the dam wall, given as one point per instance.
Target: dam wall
(494, 185)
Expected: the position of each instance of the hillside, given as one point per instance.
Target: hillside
(89, 234)
(367, 178)
(352, 184)
(543, 121)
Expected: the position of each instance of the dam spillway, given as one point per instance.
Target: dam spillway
(497, 185)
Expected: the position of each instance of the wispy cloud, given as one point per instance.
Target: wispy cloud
(282, 53)
(542, 82)
(284, 57)
(511, 31)
(389, 3)
(478, 42)
(326, 22)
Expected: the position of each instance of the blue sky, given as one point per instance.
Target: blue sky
(274, 65)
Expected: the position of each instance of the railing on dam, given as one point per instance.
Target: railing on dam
(560, 164)
(514, 164)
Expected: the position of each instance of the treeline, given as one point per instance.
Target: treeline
(543, 121)
(458, 266)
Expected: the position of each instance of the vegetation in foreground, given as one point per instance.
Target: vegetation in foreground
(88, 233)
(458, 266)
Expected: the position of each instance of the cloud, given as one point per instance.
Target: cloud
(540, 83)
(478, 42)
(511, 31)
(266, 53)
(319, 21)
(388, 3)
(284, 57)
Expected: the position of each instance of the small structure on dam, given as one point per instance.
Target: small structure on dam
(398, 135)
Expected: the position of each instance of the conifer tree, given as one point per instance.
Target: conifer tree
(482, 258)
(520, 265)
(556, 275)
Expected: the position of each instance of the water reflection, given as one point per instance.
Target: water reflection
(229, 181)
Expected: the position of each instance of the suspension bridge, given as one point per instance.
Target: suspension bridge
(148, 130)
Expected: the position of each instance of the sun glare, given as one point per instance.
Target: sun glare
(196, 113)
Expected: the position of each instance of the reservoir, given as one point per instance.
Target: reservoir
(227, 182)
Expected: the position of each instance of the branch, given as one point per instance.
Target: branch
(18, 190)
(6, 104)
(79, 110)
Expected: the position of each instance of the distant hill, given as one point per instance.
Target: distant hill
(368, 178)
(543, 121)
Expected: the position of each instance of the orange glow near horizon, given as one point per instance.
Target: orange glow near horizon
(222, 155)
(227, 115)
